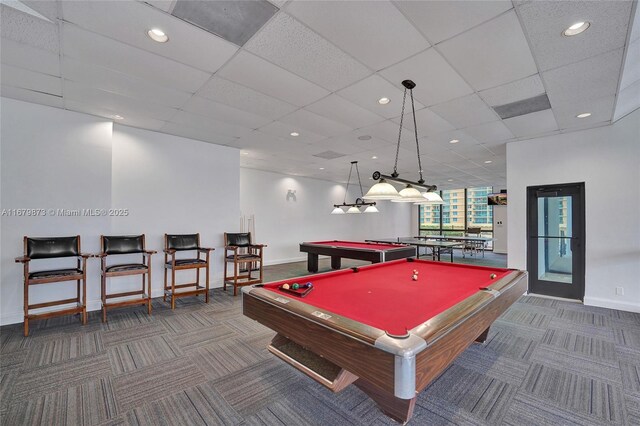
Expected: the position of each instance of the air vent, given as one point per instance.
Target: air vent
(329, 155)
(523, 107)
(234, 21)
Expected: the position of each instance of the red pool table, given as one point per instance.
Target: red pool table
(376, 327)
(371, 251)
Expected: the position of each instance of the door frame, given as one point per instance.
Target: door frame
(578, 242)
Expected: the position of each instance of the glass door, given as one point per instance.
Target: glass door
(556, 240)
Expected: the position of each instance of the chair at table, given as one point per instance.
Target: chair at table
(245, 256)
(173, 244)
(473, 246)
(54, 248)
(118, 246)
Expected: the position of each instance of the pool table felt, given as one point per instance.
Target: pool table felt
(358, 245)
(385, 296)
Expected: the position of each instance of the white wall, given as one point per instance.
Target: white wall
(284, 223)
(607, 159)
(51, 158)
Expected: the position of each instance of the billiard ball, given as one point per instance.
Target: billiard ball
(295, 286)
(492, 276)
(285, 286)
(308, 285)
(414, 277)
(415, 272)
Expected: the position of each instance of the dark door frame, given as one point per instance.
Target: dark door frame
(578, 241)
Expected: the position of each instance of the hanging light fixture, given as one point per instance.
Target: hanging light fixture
(383, 190)
(430, 198)
(354, 208)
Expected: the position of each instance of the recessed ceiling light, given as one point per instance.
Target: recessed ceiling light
(118, 117)
(384, 101)
(584, 115)
(245, 153)
(454, 141)
(576, 28)
(374, 158)
(157, 35)
(364, 137)
(321, 168)
(294, 134)
(488, 162)
(449, 180)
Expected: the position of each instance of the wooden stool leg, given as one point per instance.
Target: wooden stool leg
(206, 295)
(149, 289)
(103, 296)
(225, 278)
(26, 303)
(173, 288)
(84, 298)
(164, 293)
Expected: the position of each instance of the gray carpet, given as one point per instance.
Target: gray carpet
(546, 362)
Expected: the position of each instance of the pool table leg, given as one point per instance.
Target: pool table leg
(336, 262)
(401, 410)
(312, 262)
(483, 337)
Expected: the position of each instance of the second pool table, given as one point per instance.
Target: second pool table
(376, 327)
(370, 251)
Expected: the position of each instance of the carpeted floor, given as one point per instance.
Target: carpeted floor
(547, 362)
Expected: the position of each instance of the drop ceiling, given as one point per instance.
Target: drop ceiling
(318, 68)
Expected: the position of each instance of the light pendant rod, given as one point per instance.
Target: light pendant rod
(360, 202)
(419, 185)
(415, 128)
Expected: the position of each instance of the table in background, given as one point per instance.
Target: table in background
(481, 242)
(437, 247)
(375, 327)
(369, 251)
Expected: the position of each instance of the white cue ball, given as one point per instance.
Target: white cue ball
(414, 277)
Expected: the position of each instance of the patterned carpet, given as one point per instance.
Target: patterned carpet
(547, 362)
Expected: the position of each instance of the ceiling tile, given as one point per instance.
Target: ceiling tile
(123, 84)
(28, 57)
(244, 98)
(164, 5)
(491, 133)
(384, 36)
(31, 80)
(98, 50)
(92, 96)
(518, 90)
(429, 123)
(476, 153)
(31, 96)
(128, 120)
(256, 73)
(491, 54)
(367, 92)
(440, 20)
(631, 72)
(386, 130)
(289, 44)
(600, 109)
(48, 9)
(545, 21)
(206, 123)
(343, 111)
(192, 132)
(628, 100)
(436, 81)
(598, 78)
(339, 145)
(442, 141)
(282, 130)
(533, 124)
(465, 112)
(129, 21)
(303, 120)
(28, 29)
(257, 141)
(224, 113)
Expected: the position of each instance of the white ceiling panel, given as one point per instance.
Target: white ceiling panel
(367, 92)
(343, 111)
(31, 96)
(599, 77)
(600, 109)
(98, 50)
(338, 145)
(491, 133)
(244, 98)
(436, 81)
(544, 22)
(28, 57)
(48, 9)
(165, 5)
(429, 123)
(628, 100)
(256, 73)
(257, 142)
(305, 120)
(486, 57)
(442, 141)
(31, 80)
(123, 84)
(384, 36)
(129, 21)
(476, 153)
(441, 20)
(518, 90)
(631, 72)
(207, 123)
(533, 124)
(92, 96)
(499, 150)
(190, 131)
(224, 113)
(465, 112)
(130, 119)
(28, 29)
(282, 130)
(289, 44)
(386, 130)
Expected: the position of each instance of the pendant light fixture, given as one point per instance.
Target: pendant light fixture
(412, 191)
(354, 208)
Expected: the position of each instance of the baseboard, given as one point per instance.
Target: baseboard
(611, 304)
